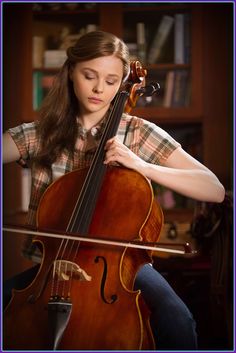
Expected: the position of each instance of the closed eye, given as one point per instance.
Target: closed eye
(89, 77)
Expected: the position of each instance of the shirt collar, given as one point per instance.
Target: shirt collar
(96, 131)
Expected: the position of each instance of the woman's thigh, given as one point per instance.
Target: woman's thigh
(172, 323)
(20, 281)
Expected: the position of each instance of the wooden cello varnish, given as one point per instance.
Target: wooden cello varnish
(86, 290)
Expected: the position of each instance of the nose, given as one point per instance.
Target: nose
(98, 88)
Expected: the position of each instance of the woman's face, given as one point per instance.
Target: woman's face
(96, 82)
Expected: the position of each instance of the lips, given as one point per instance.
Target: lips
(94, 100)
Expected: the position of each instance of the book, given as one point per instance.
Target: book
(180, 95)
(41, 86)
(160, 38)
(38, 51)
(54, 58)
(133, 51)
(179, 57)
(187, 39)
(37, 89)
(47, 81)
(169, 88)
(141, 41)
(182, 39)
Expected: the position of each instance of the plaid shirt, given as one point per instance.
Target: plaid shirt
(148, 141)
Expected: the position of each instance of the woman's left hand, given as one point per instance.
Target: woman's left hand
(116, 151)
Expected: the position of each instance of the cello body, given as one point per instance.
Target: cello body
(96, 279)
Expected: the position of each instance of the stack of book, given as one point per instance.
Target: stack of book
(41, 85)
(54, 58)
(177, 90)
(160, 37)
(171, 31)
(182, 39)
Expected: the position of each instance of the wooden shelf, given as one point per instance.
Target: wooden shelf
(46, 70)
(167, 66)
(160, 7)
(168, 115)
(46, 13)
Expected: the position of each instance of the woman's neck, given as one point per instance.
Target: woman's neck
(88, 121)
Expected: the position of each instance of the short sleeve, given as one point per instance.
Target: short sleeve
(25, 139)
(155, 144)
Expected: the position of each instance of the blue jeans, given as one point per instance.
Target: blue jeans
(172, 324)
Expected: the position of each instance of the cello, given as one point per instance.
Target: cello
(82, 297)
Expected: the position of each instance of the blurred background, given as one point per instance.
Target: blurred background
(188, 49)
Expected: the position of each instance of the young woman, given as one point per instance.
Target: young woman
(65, 138)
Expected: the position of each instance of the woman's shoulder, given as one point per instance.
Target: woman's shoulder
(136, 121)
(147, 129)
(26, 138)
(29, 127)
(128, 119)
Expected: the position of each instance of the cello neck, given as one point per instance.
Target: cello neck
(83, 211)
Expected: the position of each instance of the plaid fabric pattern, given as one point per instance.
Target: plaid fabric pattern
(144, 138)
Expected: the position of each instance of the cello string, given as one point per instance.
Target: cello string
(71, 275)
(68, 282)
(54, 283)
(84, 207)
(64, 269)
(85, 185)
(62, 281)
(82, 200)
(86, 201)
(56, 267)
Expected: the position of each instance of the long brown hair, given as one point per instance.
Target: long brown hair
(57, 128)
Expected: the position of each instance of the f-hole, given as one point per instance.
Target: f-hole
(103, 281)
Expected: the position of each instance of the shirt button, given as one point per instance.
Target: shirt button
(94, 131)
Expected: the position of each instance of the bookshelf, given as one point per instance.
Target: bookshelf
(160, 24)
(204, 125)
(208, 108)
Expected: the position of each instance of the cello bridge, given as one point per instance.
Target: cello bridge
(66, 270)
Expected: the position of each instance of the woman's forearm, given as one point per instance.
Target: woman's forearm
(199, 184)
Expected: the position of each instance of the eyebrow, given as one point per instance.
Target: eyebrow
(96, 72)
